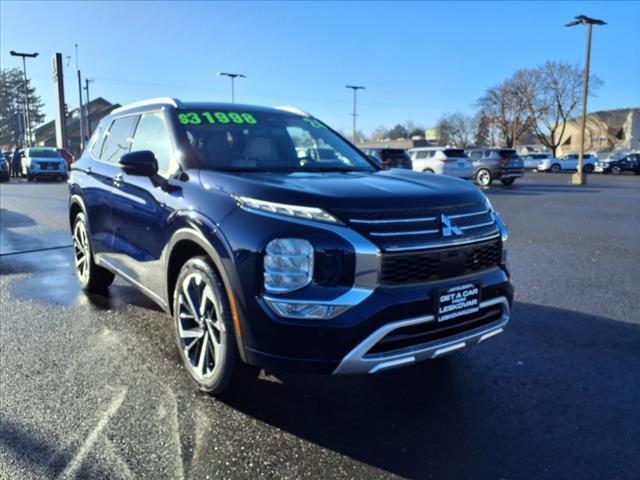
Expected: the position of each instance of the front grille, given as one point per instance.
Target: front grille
(426, 332)
(438, 264)
(402, 230)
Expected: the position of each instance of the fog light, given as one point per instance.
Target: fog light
(288, 265)
(310, 311)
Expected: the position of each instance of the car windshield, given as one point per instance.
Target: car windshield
(246, 141)
(43, 153)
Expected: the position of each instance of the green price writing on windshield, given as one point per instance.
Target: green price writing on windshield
(197, 118)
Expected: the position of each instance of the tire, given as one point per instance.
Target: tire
(588, 168)
(30, 178)
(92, 277)
(204, 326)
(615, 170)
(507, 181)
(555, 168)
(428, 170)
(483, 177)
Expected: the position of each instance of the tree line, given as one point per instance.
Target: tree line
(533, 102)
(12, 106)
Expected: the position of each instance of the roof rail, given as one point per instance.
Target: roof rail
(295, 110)
(173, 102)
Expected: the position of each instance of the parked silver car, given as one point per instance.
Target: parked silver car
(532, 160)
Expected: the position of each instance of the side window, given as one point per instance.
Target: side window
(118, 139)
(421, 154)
(98, 140)
(151, 134)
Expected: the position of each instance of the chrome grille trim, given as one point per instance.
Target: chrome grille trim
(477, 225)
(399, 234)
(473, 214)
(395, 220)
(428, 246)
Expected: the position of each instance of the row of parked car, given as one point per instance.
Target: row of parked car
(35, 163)
(482, 164)
(485, 165)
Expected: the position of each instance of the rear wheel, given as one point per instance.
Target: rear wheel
(588, 168)
(483, 177)
(428, 170)
(92, 277)
(555, 168)
(204, 326)
(615, 170)
(507, 181)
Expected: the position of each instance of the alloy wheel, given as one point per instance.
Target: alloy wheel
(484, 177)
(81, 250)
(201, 328)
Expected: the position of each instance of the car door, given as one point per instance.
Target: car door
(570, 162)
(139, 207)
(97, 181)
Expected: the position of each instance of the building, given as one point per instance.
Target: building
(604, 131)
(45, 135)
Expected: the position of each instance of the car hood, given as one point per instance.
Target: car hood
(380, 190)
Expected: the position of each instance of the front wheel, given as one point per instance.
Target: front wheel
(507, 181)
(92, 277)
(616, 170)
(204, 326)
(588, 168)
(483, 177)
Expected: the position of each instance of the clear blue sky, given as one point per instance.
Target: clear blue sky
(417, 60)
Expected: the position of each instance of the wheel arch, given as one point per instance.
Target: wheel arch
(188, 242)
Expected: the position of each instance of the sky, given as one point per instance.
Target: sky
(417, 60)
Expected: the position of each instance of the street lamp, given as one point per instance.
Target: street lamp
(355, 89)
(27, 120)
(579, 178)
(232, 76)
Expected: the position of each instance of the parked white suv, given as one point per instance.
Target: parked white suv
(441, 160)
(568, 162)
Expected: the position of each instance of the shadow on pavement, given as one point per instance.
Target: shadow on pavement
(550, 398)
(10, 219)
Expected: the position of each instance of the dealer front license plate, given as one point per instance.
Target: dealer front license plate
(458, 301)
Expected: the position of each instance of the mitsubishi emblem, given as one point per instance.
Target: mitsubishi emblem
(448, 229)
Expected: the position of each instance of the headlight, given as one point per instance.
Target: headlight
(305, 213)
(288, 265)
(504, 233)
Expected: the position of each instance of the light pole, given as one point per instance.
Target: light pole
(355, 89)
(579, 178)
(87, 81)
(27, 120)
(516, 104)
(232, 76)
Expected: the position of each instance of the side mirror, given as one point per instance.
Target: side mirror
(142, 163)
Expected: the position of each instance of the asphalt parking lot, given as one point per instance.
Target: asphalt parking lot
(93, 387)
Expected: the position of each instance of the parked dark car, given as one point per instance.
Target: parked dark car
(68, 157)
(622, 163)
(389, 157)
(267, 256)
(4, 166)
(491, 164)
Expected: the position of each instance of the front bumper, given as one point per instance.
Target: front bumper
(360, 360)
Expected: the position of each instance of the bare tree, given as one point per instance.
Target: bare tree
(457, 129)
(504, 105)
(380, 133)
(551, 94)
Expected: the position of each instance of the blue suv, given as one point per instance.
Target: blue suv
(270, 252)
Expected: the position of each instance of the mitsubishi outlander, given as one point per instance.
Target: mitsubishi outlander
(267, 253)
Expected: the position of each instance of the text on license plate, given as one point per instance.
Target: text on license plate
(458, 301)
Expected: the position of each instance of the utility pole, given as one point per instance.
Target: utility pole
(27, 119)
(579, 177)
(80, 106)
(516, 104)
(355, 89)
(87, 81)
(232, 76)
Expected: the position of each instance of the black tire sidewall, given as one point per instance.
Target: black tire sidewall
(230, 356)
